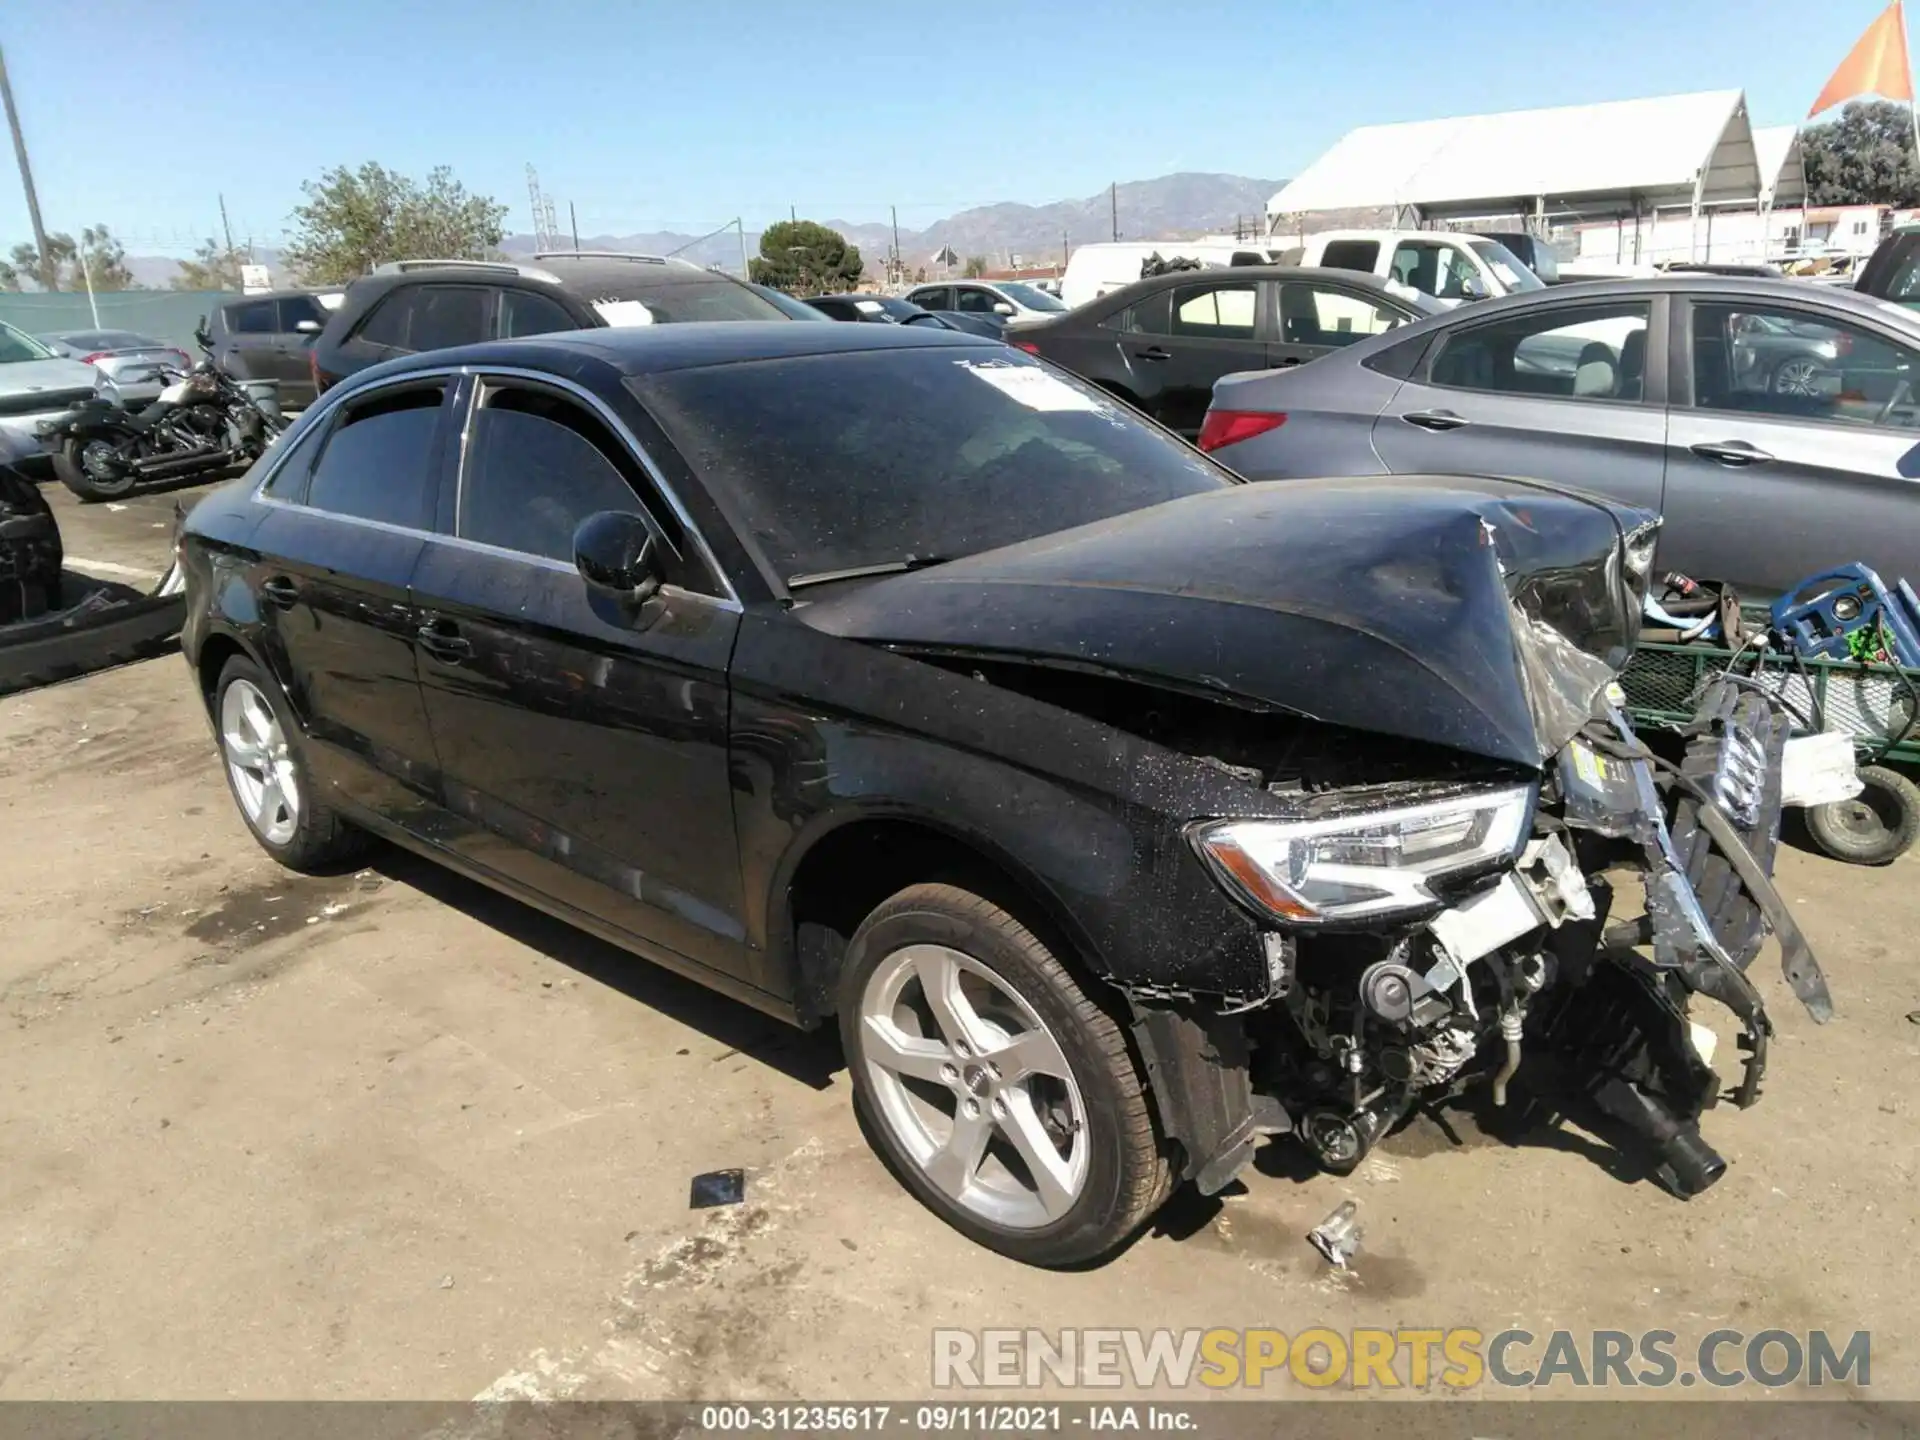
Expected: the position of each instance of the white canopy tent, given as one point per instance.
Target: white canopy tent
(1570, 163)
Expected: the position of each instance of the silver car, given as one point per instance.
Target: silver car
(35, 385)
(1774, 423)
(133, 367)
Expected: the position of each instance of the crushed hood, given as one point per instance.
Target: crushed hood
(1481, 614)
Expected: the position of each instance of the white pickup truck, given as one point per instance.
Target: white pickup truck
(1447, 266)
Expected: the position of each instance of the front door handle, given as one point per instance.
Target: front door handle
(280, 592)
(1154, 352)
(1287, 362)
(1731, 452)
(1436, 420)
(443, 641)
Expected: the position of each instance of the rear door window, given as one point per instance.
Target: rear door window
(1216, 312)
(1326, 315)
(1586, 352)
(937, 297)
(387, 325)
(254, 319)
(524, 313)
(443, 316)
(378, 461)
(1351, 255)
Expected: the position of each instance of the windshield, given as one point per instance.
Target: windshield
(18, 345)
(1028, 296)
(866, 457)
(1505, 264)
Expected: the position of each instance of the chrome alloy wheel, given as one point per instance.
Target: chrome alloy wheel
(259, 763)
(974, 1087)
(1802, 377)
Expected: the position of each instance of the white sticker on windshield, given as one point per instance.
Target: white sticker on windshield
(623, 312)
(868, 307)
(1032, 387)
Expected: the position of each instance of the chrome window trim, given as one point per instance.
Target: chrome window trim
(344, 394)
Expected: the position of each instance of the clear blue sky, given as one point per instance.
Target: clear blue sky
(655, 115)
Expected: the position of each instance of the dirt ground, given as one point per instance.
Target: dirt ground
(389, 1135)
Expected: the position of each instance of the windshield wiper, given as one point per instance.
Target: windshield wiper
(862, 572)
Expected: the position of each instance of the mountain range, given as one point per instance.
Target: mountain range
(1167, 208)
(1170, 207)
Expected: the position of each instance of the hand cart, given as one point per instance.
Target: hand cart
(1878, 705)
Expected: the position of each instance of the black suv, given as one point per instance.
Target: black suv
(269, 337)
(415, 305)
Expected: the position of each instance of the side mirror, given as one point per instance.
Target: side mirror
(308, 327)
(203, 335)
(1473, 288)
(619, 557)
(1001, 307)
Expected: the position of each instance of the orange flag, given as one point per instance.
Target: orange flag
(1877, 65)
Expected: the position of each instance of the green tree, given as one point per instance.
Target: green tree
(9, 276)
(214, 267)
(100, 260)
(354, 220)
(976, 267)
(802, 257)
(48, 269)
(70, 265)
(1863, 158)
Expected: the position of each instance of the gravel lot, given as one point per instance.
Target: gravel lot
(388, 1135)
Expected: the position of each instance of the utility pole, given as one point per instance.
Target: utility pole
(792, 214)
(573, 223)
(225, 228)
(894, 211)
(1113, 202)
(48, 278)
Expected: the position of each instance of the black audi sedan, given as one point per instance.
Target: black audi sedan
(884, 677)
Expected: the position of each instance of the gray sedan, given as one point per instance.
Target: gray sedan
(35, 385)
(135, 366)
(1774, 423)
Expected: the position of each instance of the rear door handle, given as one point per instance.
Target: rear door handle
(1154, 352)
(1731, 452)
(1434, 419)
(442, 640)
(280, 592)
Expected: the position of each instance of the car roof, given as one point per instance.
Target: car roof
(287, 294)
(1784, 289)
(1352, 279)
(688, 345)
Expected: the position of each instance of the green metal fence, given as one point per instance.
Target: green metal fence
(168, 315)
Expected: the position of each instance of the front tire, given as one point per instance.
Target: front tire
(268, 775)
(80, 467)
(1001, 1095)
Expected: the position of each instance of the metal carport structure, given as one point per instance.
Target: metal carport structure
(1563, 165)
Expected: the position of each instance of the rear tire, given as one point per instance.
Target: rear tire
(1876, 827)
(70, 466)
(261, 749)
(1028, 1131)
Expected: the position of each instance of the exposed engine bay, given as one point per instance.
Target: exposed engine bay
(1525, 986)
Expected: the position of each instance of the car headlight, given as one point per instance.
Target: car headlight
(1367, 864)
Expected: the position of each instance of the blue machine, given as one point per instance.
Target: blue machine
(1821, 614)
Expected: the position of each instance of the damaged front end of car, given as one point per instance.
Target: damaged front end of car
(1435, 796)
(1440, 938)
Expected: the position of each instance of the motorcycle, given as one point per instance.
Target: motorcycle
(203, 421)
